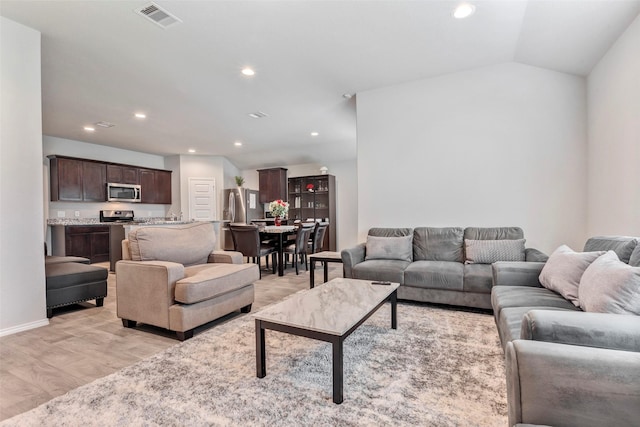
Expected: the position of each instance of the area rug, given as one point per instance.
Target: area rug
(439, 368)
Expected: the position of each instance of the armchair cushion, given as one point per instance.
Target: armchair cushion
(169, 243)
(206, 281)
(623, 246)
(610, 286)
(227, 257)
(634, 260)
(564, 269)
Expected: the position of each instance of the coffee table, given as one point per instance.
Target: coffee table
(328, 313)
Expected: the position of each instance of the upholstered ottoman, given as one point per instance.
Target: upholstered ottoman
(72, 282)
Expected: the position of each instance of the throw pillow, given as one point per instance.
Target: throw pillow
(634, 259)
(610, 286)
(563, 271)
(400, 248)
(490, 251)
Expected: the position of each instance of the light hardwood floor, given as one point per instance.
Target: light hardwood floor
(84, 342)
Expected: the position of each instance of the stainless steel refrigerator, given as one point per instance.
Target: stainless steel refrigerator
(240, 206)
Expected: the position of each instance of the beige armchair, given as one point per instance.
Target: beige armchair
(170, 277)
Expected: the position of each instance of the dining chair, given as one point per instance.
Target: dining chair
(318, 237)
(246, 240)
(299, 247)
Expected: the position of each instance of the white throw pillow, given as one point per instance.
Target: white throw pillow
(490, 251)
(563, 270)
(610, 286)
(400, 248)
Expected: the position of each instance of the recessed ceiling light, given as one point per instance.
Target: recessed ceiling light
(464, 10)
(237, 144)
(314, 134)
(141, 115)
(191, 150)
(248, 71)
(89, 128)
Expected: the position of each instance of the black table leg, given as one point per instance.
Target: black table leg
(312, 276)
(326, 272)
(394, 309)
(281, 256)
(337, 370)
(261, 367)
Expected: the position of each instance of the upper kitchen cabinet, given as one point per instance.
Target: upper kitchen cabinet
(155, 186)
(121, 174)
(77, 180)
(272, 184)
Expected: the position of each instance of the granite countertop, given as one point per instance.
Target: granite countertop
(96, 221)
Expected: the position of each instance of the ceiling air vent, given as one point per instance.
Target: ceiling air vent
(157, 15)
(104, 124)
(258, 115)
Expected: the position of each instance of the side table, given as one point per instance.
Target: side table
(325, 257)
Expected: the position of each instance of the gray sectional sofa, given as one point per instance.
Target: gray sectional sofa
(437, 264)
(564, 366)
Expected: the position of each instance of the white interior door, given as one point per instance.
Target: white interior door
(202, 199)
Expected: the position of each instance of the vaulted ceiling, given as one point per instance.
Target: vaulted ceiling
(103, 62)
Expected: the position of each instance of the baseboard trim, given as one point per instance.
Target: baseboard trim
(24, 327)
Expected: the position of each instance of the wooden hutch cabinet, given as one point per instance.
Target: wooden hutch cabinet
(272, 184)
(313, 198)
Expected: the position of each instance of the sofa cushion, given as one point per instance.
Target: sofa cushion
(399, 248)
(490, 251)
(434, 275)
(391, 270)
(169, 243)
(438, 244)
(478, 278)
(623, 246)
(563, 270)
(206, 281)
(610, 286)
(525, 296)
(634, 259)
(390, 232)
(493, 233)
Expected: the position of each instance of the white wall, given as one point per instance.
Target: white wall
(498, 146)
(614, 138)
(22, 280)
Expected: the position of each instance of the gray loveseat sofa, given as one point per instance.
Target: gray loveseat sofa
(564, 366)
(438, 264)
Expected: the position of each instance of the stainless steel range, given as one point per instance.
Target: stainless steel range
(116, 216)
(116, 232)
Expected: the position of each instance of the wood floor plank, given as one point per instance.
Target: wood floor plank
(84, 342)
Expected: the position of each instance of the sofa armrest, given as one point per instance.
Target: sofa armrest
(534, 255)
(226, 257)
(145, 290)
(351, 257)
(603, 330)
(516, 273)
(560, 384)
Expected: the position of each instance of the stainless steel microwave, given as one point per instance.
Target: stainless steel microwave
(123, 193)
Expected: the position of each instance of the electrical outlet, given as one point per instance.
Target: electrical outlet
(61, 214)
(77, 214)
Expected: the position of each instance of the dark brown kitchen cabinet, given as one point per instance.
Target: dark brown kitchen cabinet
(77, 180)
(272, 184)
(89, 241)
(122, 174)
(155, 186)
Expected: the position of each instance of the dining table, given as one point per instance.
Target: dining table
(279, 233)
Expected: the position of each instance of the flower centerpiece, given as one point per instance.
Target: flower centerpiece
(310, 188)
(279, 209)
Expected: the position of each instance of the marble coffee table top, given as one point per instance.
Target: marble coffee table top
(332, 308)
